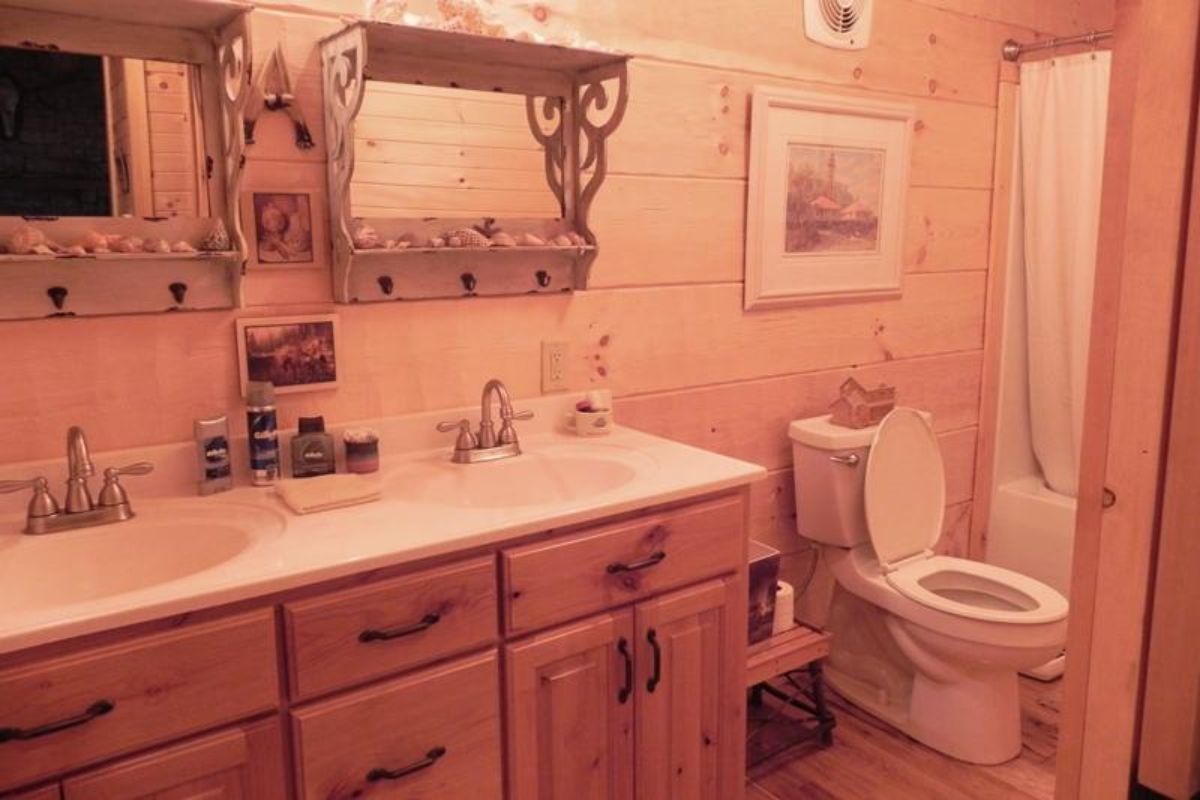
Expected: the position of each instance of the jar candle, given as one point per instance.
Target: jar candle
(362, 450)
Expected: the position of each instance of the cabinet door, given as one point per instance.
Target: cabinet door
(571, 693)
(241, 764)
(690, 719)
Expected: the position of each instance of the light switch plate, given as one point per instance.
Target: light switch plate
(554, 366)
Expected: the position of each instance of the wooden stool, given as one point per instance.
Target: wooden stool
(802, 647)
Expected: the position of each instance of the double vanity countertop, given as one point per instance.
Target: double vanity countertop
(184, 553)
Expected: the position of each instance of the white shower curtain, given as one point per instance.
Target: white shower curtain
(1064, 106)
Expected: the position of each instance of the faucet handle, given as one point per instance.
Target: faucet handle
(113, 493)
(42, 504)
(466, 439)
(508, 433)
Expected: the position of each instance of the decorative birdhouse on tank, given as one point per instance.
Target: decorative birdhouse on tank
(857, 407)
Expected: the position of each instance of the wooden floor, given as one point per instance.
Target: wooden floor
(869, 760)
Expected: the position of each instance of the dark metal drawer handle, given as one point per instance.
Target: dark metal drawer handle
(654, 558)
(656, 678)
(431, 758)
(372, 635)
(96, 709)
(627, 689)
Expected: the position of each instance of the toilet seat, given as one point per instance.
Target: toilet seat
(905, 496)
(976, 590)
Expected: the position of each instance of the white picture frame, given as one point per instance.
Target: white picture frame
(262, 343)
(814, 234)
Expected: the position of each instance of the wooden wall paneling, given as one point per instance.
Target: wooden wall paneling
(1169, 749)
(998, 255)
(1145, 190)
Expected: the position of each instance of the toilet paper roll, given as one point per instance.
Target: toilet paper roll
(785, 609)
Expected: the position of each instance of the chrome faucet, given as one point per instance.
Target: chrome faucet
(79, 469)
(487, 444)
(44, 514)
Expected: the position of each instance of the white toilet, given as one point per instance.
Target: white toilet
(931, 644)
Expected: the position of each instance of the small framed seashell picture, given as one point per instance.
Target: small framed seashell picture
(286, 229)
(825, 202)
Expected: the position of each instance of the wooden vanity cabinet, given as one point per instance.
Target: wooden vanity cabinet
(603, 662)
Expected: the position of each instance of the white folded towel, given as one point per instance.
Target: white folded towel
(325, 492)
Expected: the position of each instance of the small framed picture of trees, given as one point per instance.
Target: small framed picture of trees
(825, 203)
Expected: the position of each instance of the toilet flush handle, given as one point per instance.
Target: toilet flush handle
(850, 460)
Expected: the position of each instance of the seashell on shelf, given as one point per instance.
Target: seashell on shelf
(562, 240)
(467, 237)
(155, 245)
(76, 250)
(436, 242)
(531, 240)
(129, 244)
(101, 250)
(217, 239)
(576, 239)
(366, 238)
(42, 250)
(182, 247)
(398, 244)
(24, 239)
(92, 240)
(503, 239)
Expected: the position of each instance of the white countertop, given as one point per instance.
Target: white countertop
(276, 550)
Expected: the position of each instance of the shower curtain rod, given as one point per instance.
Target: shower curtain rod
(1012, 49)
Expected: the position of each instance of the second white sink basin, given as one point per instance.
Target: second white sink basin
(562, 473)
(165, 542)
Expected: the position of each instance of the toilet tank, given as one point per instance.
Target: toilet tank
(829, 463)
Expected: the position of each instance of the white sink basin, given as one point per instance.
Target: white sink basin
(557, 474)
(165, 542)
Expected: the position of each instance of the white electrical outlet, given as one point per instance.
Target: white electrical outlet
(554, 366)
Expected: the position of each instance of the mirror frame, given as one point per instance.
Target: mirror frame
(215, 36)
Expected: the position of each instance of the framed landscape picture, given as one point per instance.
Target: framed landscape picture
(825, 204)
(296, 354)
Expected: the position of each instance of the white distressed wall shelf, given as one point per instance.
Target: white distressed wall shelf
(574, 100)
(214, 36)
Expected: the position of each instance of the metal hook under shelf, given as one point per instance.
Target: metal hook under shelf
(58, 296)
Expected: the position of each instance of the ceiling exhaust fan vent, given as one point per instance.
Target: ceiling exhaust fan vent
(843, 24)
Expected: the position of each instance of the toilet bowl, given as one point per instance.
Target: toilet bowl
(930, 644)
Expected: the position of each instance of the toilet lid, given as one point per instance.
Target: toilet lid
(904, 487)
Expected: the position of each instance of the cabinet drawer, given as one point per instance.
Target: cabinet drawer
(614, 564)
(133, 694)
(432, 734)
(343, 638)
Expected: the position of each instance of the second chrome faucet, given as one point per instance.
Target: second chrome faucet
(488, 444)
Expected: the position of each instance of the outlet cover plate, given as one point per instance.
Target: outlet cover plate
(554, 366)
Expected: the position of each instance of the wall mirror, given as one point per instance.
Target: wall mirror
(85, 135)
(120, 156)
(428, 151)
(463, 165)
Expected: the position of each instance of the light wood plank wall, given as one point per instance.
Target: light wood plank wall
(663, 324)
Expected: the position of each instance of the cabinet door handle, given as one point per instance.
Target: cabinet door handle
(655, 678)
(431, 758)
(96, 709)
(373, 635)
(627, 689)
(654, 558)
